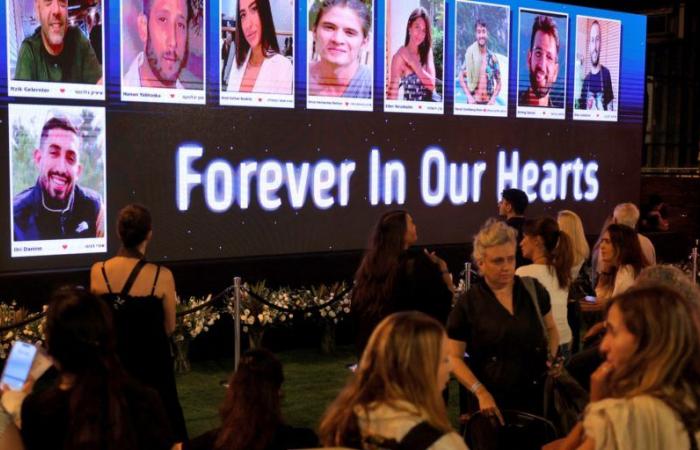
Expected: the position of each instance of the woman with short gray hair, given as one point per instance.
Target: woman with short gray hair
(497, 321)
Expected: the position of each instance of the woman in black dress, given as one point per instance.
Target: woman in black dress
(142, 297)
(497, 322)
(393, 278)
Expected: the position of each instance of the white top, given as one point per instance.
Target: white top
(276, 75)
(637, 423)
(557, 296)
(624, 279)
(647, 249)
(392, 422)
(133, 76)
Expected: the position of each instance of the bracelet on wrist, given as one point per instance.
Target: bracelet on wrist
(474, 388)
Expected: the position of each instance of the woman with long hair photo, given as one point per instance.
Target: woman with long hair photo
(258, 65)
(412, 66)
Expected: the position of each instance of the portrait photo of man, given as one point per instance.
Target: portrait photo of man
(58, 49)
(480, 74)
(57, 205)
(158, 33)
(542, 70)
(340, 64)
(597, 45)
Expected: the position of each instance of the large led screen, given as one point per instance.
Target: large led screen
(265, 127)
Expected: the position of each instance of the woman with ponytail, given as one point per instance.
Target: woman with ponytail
(142, 296)
(93, 405)
(551, 253)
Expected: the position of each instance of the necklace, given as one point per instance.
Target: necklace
(69, 205)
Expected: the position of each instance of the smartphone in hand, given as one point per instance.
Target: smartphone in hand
(18, 365)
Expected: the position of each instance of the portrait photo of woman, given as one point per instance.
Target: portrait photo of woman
(412, 68)
(256, 63)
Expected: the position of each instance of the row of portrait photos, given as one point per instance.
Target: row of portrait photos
(162, 55)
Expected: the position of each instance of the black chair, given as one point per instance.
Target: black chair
(522, 431)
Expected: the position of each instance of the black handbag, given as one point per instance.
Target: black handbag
(564, 398)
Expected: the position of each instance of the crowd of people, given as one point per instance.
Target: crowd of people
(511, 341)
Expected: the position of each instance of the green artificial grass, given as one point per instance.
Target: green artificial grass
(312, 381)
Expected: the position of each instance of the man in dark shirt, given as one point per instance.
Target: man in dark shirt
(512, 207)
(56, 207)
(597, 91)
(57, 52)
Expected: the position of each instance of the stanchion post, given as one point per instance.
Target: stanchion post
(237, 322)
(467, 276)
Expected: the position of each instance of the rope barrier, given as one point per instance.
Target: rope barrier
(225, 294)
(337, 297)
(22, 323)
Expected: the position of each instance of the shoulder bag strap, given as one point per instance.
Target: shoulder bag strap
(529, 284)
(420, 437)
(132, 276)
(104, 275)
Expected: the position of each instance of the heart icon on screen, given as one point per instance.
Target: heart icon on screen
(259, 99)
(420, 106)
(346, 103)
(62, 90)
(172, 95)
(65, 246)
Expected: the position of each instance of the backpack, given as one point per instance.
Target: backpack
(420, 437)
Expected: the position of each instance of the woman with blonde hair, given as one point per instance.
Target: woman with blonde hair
(571, 225)
(646, 395)
(395, 393)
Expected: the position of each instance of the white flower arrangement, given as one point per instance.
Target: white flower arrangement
(32, 332)
(256, 315)
(192, 325)
(333, 312)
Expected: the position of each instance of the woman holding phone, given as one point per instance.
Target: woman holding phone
(142, 296)
(258, 65)
(93, 403)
